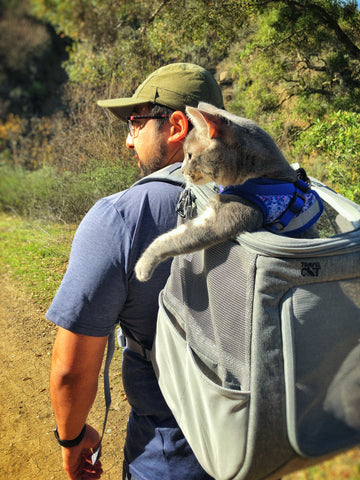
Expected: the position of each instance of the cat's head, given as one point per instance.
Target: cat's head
(227, 149)
(201, 163)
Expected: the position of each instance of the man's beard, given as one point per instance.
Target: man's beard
(156, 163)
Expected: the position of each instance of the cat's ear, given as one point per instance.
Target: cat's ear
(207, 124)
(213, 127)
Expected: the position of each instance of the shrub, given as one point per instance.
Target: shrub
(25, 142)
(335, 143)
(52, 196)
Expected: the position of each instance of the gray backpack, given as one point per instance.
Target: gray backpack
(257, 347)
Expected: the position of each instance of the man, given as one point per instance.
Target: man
(99, 289)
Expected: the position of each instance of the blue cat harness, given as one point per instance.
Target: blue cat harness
(288, 208)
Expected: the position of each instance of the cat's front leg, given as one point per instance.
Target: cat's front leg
(222, 219)
(188, 237)
(158, 251)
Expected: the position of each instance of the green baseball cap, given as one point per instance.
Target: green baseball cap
(176, 86)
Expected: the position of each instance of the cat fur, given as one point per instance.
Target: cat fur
(228, 150)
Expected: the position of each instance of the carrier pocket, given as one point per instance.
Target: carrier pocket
(322, 366)
(200, 405)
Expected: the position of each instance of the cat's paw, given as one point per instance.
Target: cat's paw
(143, 270)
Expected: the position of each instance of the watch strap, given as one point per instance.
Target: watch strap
(70, 443)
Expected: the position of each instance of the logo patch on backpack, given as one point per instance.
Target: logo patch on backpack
(310, 269)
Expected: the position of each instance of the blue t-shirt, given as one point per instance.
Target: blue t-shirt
(100, 289)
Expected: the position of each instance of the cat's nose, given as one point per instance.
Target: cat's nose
(184, 170)
(185, 164)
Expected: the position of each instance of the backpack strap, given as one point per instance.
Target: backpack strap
(109, 355)
(297, 218)
(126, 339)
(170, 174)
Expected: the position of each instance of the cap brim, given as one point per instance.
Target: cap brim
(122, 107)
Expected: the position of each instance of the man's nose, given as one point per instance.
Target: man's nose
(130, 141)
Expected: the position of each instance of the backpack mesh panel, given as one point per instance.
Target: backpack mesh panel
(220, 336)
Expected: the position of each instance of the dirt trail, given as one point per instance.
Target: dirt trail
(28, 447)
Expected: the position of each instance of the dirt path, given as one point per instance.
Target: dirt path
(28, 447)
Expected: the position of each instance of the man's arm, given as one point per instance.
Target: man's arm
(76, 363)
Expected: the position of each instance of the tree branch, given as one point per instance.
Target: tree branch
(153, 16)
(321, 13)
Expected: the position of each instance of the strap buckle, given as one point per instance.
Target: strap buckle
(121, 338)
(297, 202)
(186, 206)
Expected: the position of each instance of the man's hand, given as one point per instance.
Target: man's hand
(77, 460)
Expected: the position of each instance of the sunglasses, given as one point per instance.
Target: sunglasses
(134, 126)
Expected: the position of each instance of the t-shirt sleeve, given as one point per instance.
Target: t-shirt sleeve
(94, 287)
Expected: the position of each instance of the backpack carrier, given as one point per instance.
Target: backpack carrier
(257, 347)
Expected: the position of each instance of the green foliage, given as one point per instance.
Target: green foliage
(191, 30)
(291, 63)
(97, 21)
(288, 65)
(117, 44)
(107, 44)
(335, 143)
(53, 196)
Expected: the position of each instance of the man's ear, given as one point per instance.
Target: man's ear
(179, 126)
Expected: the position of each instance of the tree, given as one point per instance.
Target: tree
(299, 57)
(121, 42)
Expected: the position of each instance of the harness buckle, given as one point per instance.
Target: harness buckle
(297, 202)
(186, 206)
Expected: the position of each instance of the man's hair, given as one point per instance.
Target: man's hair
(157, 109)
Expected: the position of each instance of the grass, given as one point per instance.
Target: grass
(34, 255)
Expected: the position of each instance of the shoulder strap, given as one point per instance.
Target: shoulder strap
(170, 174)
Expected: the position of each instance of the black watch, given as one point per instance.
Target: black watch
(70, 443)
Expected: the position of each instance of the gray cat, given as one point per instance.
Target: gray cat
(227, 150)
